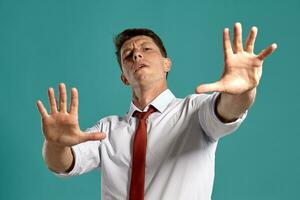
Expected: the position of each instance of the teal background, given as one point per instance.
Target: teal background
(43, 43)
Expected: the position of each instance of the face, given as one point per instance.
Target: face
(142, 62)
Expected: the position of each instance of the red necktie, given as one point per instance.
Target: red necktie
(139, 156)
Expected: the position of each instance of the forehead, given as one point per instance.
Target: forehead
(137, 40)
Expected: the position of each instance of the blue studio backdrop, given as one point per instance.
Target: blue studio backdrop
(43, 43)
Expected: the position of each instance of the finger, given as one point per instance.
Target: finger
(226, 43)
(52, 101)
(237, 41)
(42, 109)
(212, 87)
(92, 136)
(249, 47)
(74, 101)
(266, 52)
(62, 98)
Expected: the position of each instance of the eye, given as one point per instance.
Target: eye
(128, 55)
(146, 48)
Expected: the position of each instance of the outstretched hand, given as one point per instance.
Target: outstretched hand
(242, 67)
(61, 126)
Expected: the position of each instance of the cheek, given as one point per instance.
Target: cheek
(126, 66)
(156, 60)
(161, 64)
(126, 74)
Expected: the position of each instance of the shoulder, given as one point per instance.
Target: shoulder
(111, 119)
(196, 100)
(109, 122)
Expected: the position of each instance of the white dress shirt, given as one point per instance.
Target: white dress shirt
(182, 137)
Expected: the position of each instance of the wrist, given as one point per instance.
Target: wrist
(229, 107)
(55, 146)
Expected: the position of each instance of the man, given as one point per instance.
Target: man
(168, 154)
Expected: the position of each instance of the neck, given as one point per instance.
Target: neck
(141, 97)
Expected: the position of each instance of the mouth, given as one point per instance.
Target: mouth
(139, 66)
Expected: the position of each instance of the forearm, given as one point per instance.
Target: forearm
(230, 107)
(58, 158)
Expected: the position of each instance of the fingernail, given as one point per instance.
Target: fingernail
(254, 28)
(237, 24)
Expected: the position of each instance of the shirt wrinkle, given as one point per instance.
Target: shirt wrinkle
(180, 154)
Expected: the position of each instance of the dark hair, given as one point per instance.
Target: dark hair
(127, 34)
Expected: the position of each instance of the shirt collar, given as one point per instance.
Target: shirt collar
(160, 103)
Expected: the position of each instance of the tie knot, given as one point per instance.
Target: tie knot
(144, 115)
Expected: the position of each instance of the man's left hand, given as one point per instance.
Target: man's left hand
(242, 67)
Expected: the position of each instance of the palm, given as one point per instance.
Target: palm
(242, 68)
(242, 72)
(61, 126)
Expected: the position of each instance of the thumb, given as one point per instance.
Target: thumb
(211, 87)
(92, 136)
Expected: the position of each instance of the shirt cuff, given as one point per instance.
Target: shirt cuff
(212, 125)
(77, 159)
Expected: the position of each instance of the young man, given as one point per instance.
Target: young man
(164, 147)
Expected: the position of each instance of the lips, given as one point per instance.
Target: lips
(138, 66)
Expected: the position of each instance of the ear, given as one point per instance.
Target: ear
(124, 80)
(167, 64)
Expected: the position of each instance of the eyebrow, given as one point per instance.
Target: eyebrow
(143, 43)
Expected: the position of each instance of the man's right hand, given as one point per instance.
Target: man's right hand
(61, 127)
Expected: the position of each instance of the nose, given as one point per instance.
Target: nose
(137, 55)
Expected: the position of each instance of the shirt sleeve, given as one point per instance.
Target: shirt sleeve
(86, 155)
(211, 124)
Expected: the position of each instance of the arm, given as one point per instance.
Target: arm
(230, 107)
(241, 76)
(61, 130)
(58, 158)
